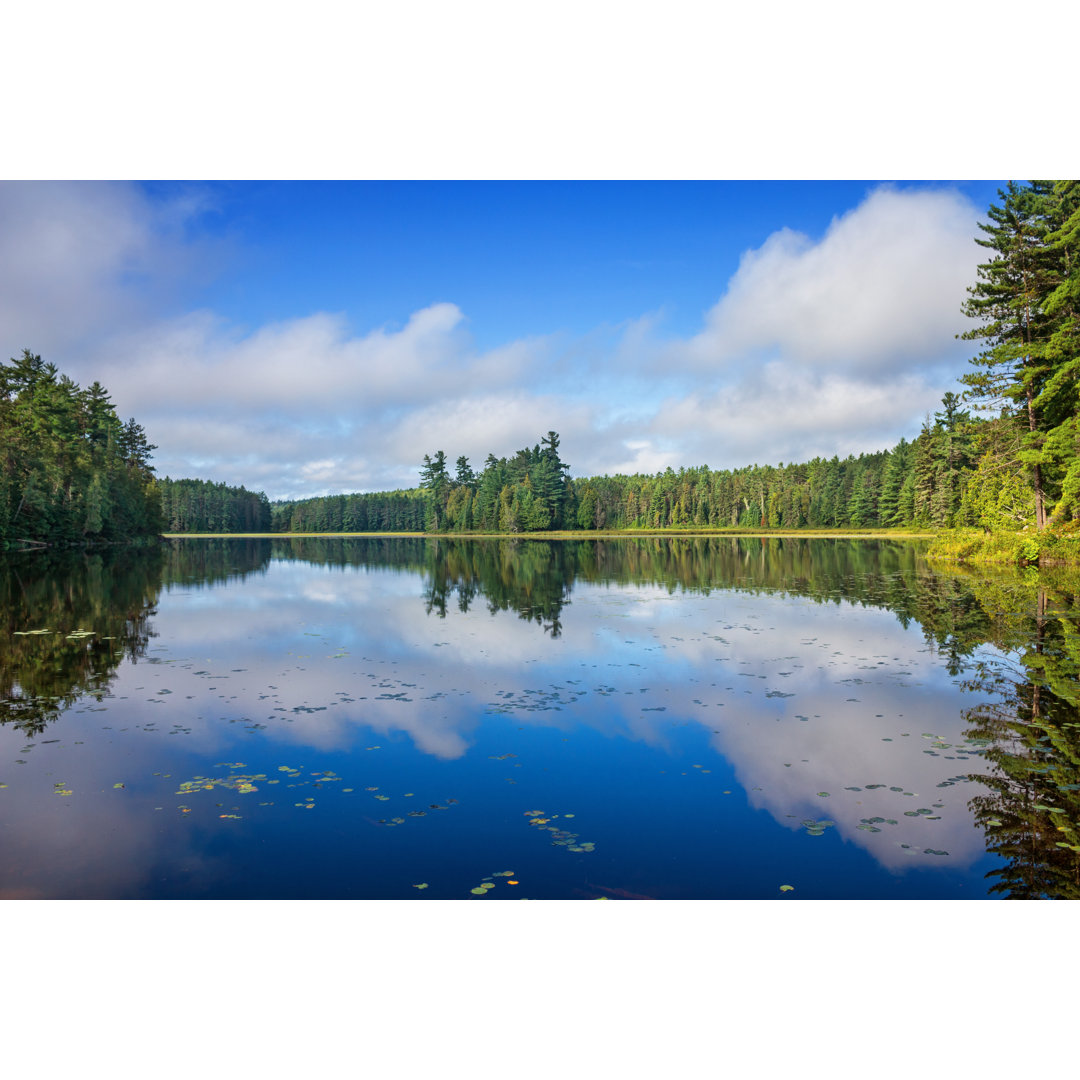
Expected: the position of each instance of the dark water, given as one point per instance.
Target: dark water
(421, 719)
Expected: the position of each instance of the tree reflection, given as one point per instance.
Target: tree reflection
(112, 593)
(536, 577)
(70, 618)
(198, 564)
(532, 578)
(1013, 637)
(1030, 722)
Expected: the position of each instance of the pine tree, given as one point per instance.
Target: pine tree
(1008, 300)
(436, 480)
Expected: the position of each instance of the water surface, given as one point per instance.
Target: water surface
(495, 719)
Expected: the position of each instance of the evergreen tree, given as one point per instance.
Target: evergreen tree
(465, 476)
(69, 471)
(436, 481)
(892, 481)
(1008, 300)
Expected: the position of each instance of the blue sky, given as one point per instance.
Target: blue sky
(312, 337)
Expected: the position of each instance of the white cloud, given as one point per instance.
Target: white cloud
(79, 259)
(785, 412)
(885, 283)
(834, 345)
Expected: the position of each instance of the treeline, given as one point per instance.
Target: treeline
(1020, 468)
(938, 480)
(203, 506)
(959, 471)
(528, 492)
(380, 511)
(70, 470)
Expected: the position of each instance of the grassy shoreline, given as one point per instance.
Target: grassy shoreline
(1026, 548)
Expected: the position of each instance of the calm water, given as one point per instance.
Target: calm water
(421, 719)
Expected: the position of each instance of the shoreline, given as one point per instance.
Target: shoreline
(582, 534)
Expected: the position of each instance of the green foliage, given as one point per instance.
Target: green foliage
(1028, 548)
(201, 506)
(70, 471)
(1027, 302)
(384, 511)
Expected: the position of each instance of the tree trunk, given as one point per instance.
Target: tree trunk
(1040, 503)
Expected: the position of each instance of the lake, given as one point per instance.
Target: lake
(431, 719)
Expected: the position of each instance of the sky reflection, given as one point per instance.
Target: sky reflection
(832, 719)
(800, 697)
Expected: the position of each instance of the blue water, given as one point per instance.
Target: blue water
(298, 729)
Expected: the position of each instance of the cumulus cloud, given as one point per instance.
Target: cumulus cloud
(829, 345)
(885, 283)
(312, 366)
(782, 412)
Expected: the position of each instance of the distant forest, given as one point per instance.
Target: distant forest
(203, 506)
(72, 472)
(1016, 465)
(949, 475)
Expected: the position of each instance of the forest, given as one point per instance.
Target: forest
(1010, 461)
(1002, 456)
(70, 470)
(197, 506)
(931, 482)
